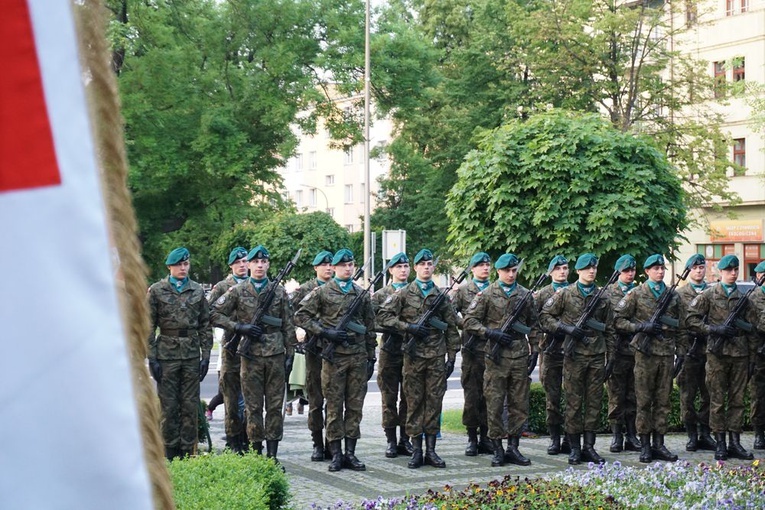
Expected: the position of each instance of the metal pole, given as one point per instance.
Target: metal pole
(367, 184)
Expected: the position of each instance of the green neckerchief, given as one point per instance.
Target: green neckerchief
(585, 290)
(509, 289)
(320, 282)
(179, 285)
(399, 285)
(657, 288)
(425, 287)
(559, 285)
(258, 284)
(699, 288)
(239, 279)
(481, 284)
(729, 289)
(345, 285)
(626, 287)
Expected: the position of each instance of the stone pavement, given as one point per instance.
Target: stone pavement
(311, 482)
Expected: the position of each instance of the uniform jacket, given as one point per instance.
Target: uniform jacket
(461, 301)
(391, 339)
(614, 294)
(540, 298)
(687, 294)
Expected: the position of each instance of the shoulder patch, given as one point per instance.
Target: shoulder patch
(221, 300)
(388, 299)
(695, 300)
(549, 301)
(474, 302)
(622, 303)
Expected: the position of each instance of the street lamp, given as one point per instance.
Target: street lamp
(320, 191)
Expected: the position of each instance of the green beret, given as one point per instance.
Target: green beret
(727, 262)
(344, 255)
(259, 252)
(696, 260)
(586, 260)
(508, 260)
(323, 257)
(423, 254)
(176, 256)
(558, 260)
(625, 262)
(479, 258)
(236, 254)
(760, 268)
(654, 260)
(398, 258)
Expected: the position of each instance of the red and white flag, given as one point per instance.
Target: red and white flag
(69, 425)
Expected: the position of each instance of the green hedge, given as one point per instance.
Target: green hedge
(228, 481)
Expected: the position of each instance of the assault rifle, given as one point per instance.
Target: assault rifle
(734, 320)
(346, 321)
(512, 321)
(429, 319)
(642, 340)
(586, 319)
(240, 345)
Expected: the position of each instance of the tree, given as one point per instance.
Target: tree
(569, 183)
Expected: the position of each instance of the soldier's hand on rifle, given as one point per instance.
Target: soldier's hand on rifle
(498, 335)
(722, 330)
(370, 368)
(155, 368)
(204, 366)
(533, 361)
(609, 370)
(251, 330)
(648, 327)
(288, 362)
(335, 335)
(449, 367)
(679, 361)
(573, 331)
(418, 330)
(750, 370)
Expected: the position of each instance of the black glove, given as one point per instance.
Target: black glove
(155, 368)
(418, 330)
(449, 367)
(288, 362)
(335, 335)
(651, 328)
(204, 366)
(573, 331)
(723, 331)
(370, 368)
(533, 361)
(251, 330)
(750, 370)
(498, 335)
(300, 347)
(609, 370)
(679, 361)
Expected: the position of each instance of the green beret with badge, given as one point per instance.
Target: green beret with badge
(656, 259)
(236, 254)
(259, 252)
(727, 262)
(558, 260)
(507, 261)
(625, 262)
(398, 258)
(760, 268)
(479, 258)
(423, 255)
(344, 255)
(177, 256)
(323, 257)
(696, 260)
(586, 260)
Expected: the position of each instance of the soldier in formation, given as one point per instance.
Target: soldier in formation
(757, 388)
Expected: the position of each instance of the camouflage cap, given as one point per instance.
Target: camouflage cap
(422, 255)
(586, 260)
(323, 257)
(760, 268)
(558, 260)
(654, 260)
(625, 262)
(398, 258)
(177, 256)
(508, 260)
(236, 254)
(344, 255)
(479, 258)
(695, 260)
(727, 262)
(259, 252)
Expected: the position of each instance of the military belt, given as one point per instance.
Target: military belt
(174, 332)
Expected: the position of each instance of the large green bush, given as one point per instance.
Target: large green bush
(228, 481)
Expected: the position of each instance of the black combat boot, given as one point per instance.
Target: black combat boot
(575, 457)
(257, 447)
(391, 451)
(645, 448)
(404, 444)
(235, 445)
(318, 446)
(659, 451)
(617, 443)
(693, 438)
(721, 452)
(484, 443)
(327, 450)
(759, 438)
(350, 460)
(706, 442)
(499, 453)
(554, 448)
(431, 457)
(416, 461)
(588, 450)
(172, 452)
(735, 450)
(513, 455)
(472, 447)
(631, 441)
(565, 445)
(272, 446)
(337, 456)
(244, 442)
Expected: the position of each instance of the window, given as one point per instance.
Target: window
(363, 192)
(729, 7)
(331, 211)
(329, 180)
(744, 5)
(299, 198)
(719, 70)
(299, 162)
(739, 69)
(691, 12)
(739, 154)
(349, 193)
(349, 228)
(349, 156)
(313, 164)
(312, 197)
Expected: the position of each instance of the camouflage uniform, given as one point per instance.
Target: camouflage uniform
(262, 372)
(727, 370)
(183, 319)
(507, 377)
(230, 381)
(757, 385)
(472, 375)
